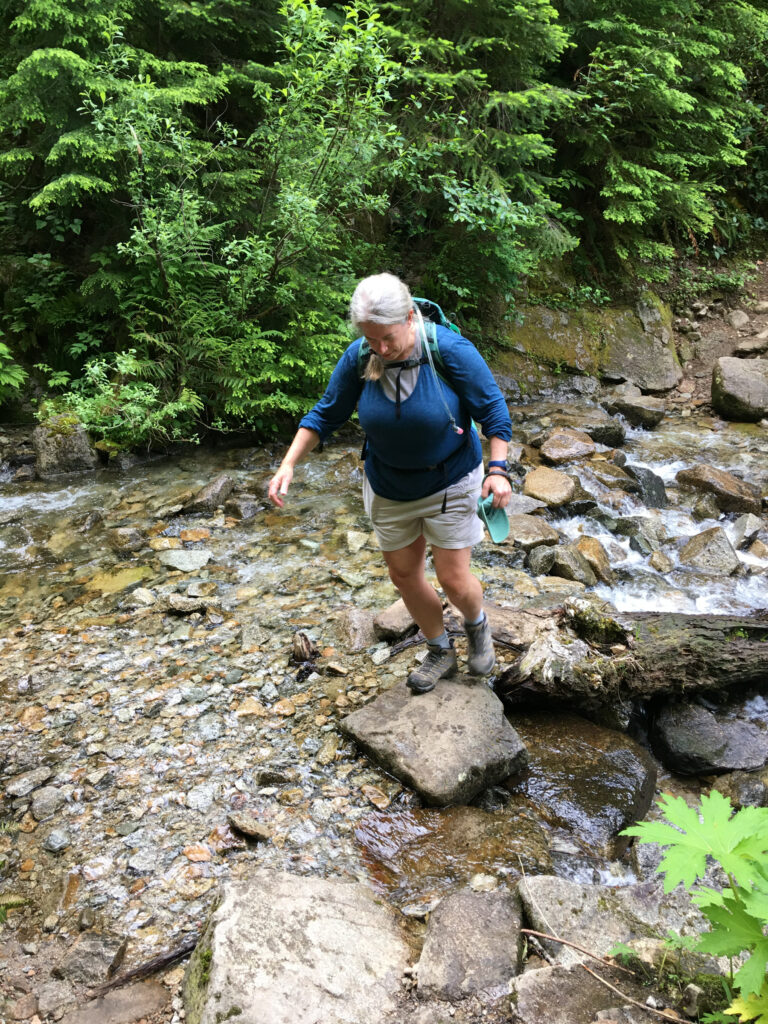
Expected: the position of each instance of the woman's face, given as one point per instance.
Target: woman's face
(392, 342)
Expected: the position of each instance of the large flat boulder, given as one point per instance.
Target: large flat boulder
(290, 949)
(448, 745)
(740, 389)
(619, 343)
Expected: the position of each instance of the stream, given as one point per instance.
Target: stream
(131, 732)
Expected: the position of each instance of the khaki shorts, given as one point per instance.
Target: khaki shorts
(399, 523)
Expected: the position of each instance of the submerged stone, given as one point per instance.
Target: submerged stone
(592, 781)
(416, 857)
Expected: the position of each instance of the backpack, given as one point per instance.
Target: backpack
(432, 314)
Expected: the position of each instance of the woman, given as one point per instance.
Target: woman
(423, 472)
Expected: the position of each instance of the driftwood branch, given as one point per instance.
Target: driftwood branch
(145, 970)
(629, 999)
(554, 938)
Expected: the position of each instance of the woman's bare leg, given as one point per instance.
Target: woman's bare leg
(406, 570)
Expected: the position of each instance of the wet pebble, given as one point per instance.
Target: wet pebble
(56, 841)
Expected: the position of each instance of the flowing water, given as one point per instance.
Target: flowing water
(147, 729)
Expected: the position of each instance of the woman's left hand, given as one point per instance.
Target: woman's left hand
(499, 487)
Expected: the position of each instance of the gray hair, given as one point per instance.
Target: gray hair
(379, 299)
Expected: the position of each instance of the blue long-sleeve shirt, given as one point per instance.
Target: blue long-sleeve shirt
(417, 453)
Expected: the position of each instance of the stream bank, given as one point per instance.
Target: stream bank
(176, 665)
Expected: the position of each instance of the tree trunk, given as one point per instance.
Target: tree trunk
(657, 654)
(680, 653)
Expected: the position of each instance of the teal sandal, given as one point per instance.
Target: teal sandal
(495, 519)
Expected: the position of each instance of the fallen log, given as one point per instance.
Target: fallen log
(593, 658)
(681, 653)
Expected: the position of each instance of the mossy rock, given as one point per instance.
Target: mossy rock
(621, 343)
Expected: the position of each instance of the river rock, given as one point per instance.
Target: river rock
(643, 411)
(243, 506)
(570, 564)
(394, 622)
(744, 530)
(592, 781)
(562, 995)
(62, 446)
(46, 802)
(528, 532)
(549, 485)
(712, 552)
(737, 318)
(187, 560)
(565, 444)
(89, 960)
(126, 538)
(731, 494)
(26, 782)
(694, 740)
(614, 477)
(596, 917)
(472, 946)
(123, 1005)
(522, 505)
(185, 605)
(749, 347)
(645, 535)
(596, 423)
(652, 489)
(540, 560)
(57, 840)
(357, 629)
(661, 562)
(744, 789)
(740, 389)
(283, 947)
(448, 744)
(595, 554)
(210, 497)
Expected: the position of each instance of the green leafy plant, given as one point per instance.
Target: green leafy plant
(738, 912)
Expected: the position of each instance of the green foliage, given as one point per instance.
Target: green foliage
(198, 186)
(12, 376)
(737, 913)
(659, 133)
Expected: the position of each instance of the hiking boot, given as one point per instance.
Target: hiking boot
(439, 663)
(480, 654)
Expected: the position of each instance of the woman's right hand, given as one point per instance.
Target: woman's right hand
(279, 485)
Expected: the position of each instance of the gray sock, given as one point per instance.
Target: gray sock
(440, 642)
(475, 622)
